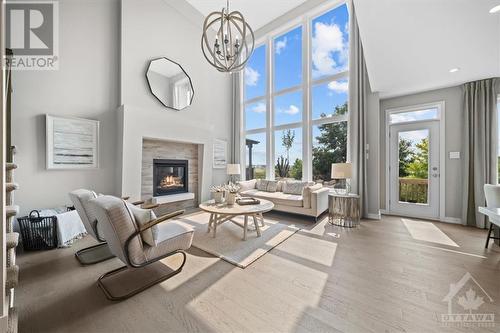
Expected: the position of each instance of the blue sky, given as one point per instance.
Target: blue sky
(288, 60)
(288, 108)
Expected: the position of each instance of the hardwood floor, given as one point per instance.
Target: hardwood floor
(376, 278)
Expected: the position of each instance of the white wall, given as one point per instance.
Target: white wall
(172, 29)
(86, 85)
(454, 128)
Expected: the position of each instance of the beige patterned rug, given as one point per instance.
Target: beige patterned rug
(229, 244)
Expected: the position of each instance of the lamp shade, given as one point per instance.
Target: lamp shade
(341, 170)
(233, 169)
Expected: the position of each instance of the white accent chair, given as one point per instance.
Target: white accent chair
(96, 253)
(100, 252)
(492, 195)
(139, 241)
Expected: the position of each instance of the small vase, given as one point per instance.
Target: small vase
(230, 198)
(218, 197)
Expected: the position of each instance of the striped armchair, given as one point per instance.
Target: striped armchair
(138, 239)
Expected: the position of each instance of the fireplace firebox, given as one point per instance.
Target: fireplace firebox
(170, 177)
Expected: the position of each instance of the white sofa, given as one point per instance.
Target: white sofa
(313, 201)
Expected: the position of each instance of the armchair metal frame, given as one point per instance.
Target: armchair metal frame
(130, 263)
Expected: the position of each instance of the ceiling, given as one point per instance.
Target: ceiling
(257, 12)
(410, 45)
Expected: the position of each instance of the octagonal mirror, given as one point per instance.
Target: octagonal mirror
(169, 83)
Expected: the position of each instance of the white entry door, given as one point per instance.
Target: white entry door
(414, 169)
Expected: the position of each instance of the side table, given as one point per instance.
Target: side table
(343, 209)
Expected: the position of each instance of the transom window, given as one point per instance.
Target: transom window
(295, 99)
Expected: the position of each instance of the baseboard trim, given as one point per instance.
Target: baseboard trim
(454, 220)
(375, 216)
(446, 219)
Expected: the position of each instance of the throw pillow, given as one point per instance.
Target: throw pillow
(272, 186)
(279, 188)
(306, 194)
(143, 216)
(247, 185)
(262, 185)
(294, 187)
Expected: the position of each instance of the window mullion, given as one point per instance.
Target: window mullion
(270, 110)
(306, 101)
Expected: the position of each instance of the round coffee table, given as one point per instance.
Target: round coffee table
(220, 213)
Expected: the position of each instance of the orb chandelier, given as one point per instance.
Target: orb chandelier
(233, 43)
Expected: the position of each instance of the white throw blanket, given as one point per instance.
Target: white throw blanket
(69, 226)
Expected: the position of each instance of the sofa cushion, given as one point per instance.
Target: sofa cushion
(172, 236)
(247, 185)
(306, 193)
(272, 186)
(294, 187)
(278, 198)
(262, 185)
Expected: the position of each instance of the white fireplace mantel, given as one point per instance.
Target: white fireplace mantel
(137, 124)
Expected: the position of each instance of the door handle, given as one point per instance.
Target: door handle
(435, 175)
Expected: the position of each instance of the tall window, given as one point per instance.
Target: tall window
(255, 109)
(295, 93)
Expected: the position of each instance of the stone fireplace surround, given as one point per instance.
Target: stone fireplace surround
(169, 150)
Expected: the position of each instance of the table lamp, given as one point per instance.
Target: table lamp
(343, 171)
(232, 170)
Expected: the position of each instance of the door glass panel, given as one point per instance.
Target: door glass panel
(413, 152)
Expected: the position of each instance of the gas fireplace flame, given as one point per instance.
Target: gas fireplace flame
(171, 181)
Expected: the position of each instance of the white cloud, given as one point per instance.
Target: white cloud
(413, 116)
(328, 39)
(281, 45)
(338, 87)
(292, 109)
(259, 108)
(251, 76)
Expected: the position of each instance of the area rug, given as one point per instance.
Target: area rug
(229, 245)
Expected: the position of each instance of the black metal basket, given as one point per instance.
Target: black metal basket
(38, 233)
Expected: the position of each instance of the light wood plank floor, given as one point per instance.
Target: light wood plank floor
(381, 277)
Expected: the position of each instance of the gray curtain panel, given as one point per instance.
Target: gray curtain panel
(358, 107)
(480, 157)
(236, 112)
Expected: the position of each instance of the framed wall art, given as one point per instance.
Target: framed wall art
(72, 143)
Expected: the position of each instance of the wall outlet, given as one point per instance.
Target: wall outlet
(454, 155)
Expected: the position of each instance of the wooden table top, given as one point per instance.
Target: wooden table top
(223, 208)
